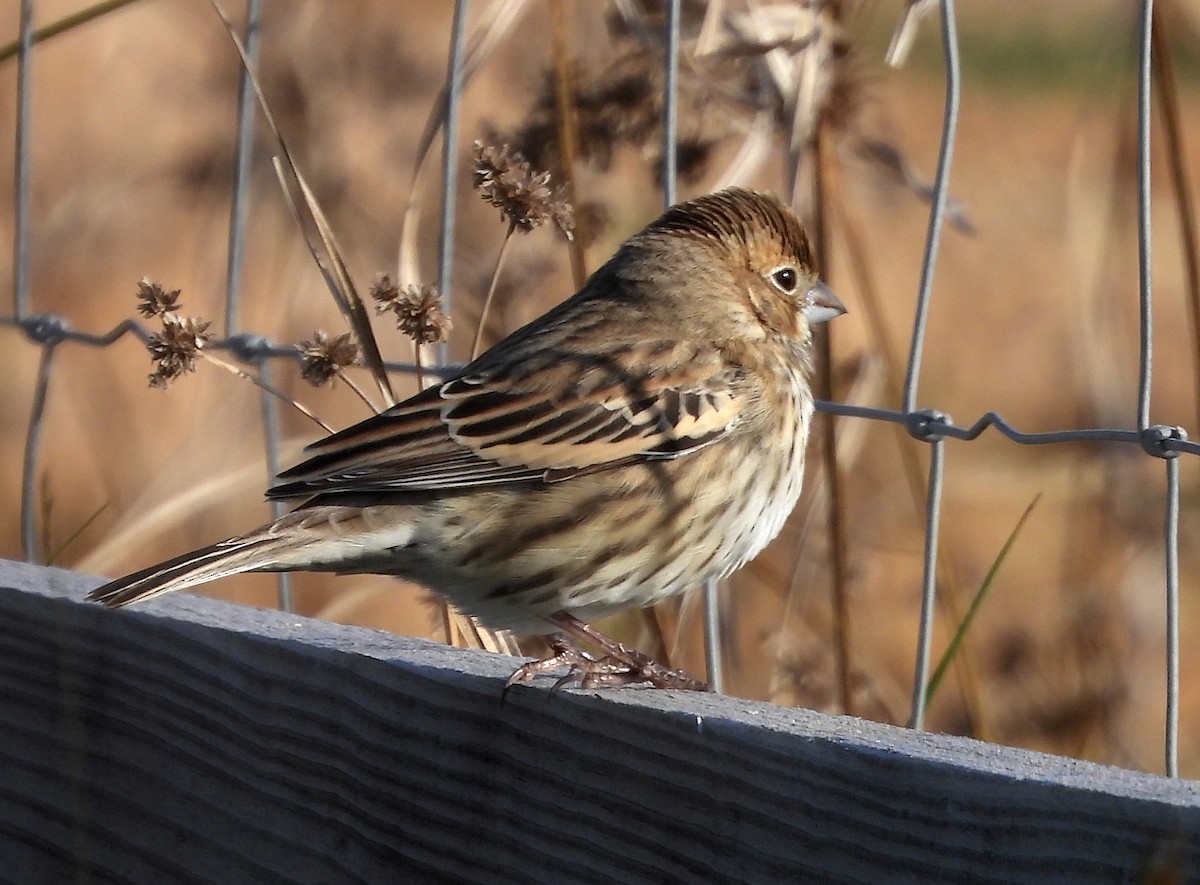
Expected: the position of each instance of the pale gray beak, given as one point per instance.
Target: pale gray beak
(821, 305)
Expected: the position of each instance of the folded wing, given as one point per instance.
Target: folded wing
(544, 420)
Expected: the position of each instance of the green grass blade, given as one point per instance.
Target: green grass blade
(960, 634)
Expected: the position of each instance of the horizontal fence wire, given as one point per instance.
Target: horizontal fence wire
(929, 425)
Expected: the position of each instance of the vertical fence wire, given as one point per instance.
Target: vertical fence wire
(239, 211)
(1145, 302)
(670, 105)
(21, 166)
(670, 182)
(1171, 535)
(454, 79)
(933, 511)
(239, 215)
(33, 434)
(270, 419)
(21, 281)
(937, 212)
(1145, 374)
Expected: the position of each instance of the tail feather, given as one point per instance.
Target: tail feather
(220, 560)
(317, 538)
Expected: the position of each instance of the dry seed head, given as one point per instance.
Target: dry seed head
(523, 196)
(418, 309)
(322, 358)
(176, 348)
(155, 301)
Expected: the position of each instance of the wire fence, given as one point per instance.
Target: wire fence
(927, 425)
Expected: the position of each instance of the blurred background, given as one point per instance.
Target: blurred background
(1034, 309)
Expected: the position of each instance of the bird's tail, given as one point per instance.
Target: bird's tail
(315, 538)
(251, 552)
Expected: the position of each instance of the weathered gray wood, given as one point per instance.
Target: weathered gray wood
(192, 740)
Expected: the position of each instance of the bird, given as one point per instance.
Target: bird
(640, 438)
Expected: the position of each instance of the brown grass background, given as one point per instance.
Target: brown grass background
(1034, 316)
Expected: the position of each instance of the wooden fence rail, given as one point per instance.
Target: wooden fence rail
(194, 740)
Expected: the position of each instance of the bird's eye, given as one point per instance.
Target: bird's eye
(786, 279)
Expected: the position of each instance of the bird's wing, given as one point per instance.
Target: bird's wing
(545, 419)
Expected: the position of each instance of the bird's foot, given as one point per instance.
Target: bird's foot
(619, 665)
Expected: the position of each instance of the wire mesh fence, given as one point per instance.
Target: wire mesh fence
(49, 332)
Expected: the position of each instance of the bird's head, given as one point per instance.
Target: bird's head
(749, 244)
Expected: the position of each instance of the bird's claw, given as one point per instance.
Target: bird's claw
(622, 666)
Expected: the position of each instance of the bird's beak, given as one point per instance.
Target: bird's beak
(821, 305)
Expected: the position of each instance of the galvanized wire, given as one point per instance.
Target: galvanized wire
(239, 215)
(21, 281)
(1171, 534)
(1145, 300)
(33, 437)
(270, 419)
(671, 104)
(933, 515)
(937, 212)
(454, 83)
(1145, 372)
(21, 166)
(49, 331)
(670, 178)
(239, 210)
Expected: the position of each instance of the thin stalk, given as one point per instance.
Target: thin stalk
(53, 557)
(420, 367)
(333, 266)
(353, 385)
(66, 23)
(258, 382)
(491, 293)
(824, 381)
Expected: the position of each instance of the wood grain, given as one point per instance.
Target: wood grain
(195, 741)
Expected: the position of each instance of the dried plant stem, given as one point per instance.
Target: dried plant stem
(836, 512)
(491, 293)
(332, 265)
(353, 385)
(419, 365)
(258, 382)
(568, 133)
(66, 23)
(1168, 102)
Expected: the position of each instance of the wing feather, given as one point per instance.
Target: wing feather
(490, 428)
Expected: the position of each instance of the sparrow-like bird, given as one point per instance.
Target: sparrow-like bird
(638, 439)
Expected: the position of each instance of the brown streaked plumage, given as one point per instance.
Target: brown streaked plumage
(639, 438)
